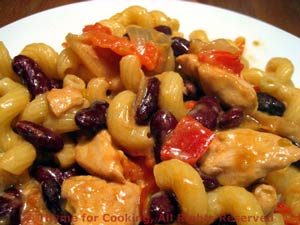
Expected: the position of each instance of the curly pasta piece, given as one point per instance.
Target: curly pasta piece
(67, 62)
(5, 64)
(121, 125)
(137, 15)
(45, 56)
(160, 18)
(171, 93)
(252, 75)
(177, 176)
(97, 89)
(199, 207)
(37, 110)
(73, 81)
(18, 158)
(288, 124)
(64, 123)
(287, 183)
(18, 154)
(237, 202)
(66, 156)
(131, 73)
(266, 196)
(282, 69)
(14, 98)
(134, 15)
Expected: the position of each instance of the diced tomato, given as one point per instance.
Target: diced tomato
(188, 141)
(101, 36)
(283, 208)
(286, 212)
(97, 27)
(190, 104)
(222, 59)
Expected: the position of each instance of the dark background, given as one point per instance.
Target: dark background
(284, 14)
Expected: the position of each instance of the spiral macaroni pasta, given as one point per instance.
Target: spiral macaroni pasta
(174, 128)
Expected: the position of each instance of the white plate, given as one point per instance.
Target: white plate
(51, 26)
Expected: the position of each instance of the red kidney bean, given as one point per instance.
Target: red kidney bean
(231, 118)
(164, 29)
(161, 124)
(92, 118)
(43, 173)
(163, 208)
(51, 179)
(10, 205)
(40, 137)
(51, 192)
(212, 102)
(180, 46)
(5, 207)
(75, 170)
(209, 182)
(31, 73)
(54, 83)
(270, 104)
(206, 112)
(191, 90)
(149, 103)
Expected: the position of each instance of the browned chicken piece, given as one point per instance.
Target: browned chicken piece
(61, 100)
(241, 156)
(189, 64)
(94, 201)
(228, 87)
(266, 196)
(99, 157)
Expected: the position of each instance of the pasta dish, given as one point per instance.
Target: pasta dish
(135, 123)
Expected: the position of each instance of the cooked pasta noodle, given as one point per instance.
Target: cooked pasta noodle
(131, 73)
(18, 154)
(44, 55)
(196, 154)
(282, 68)
(67, 63)
(5, 64)
(73, 81)
(37, 110)
(178, 176)
(287, 183)
(97, 89)
(171, 94)
(121, 125)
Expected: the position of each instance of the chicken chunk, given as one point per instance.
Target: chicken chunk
(228, 87)
(99, 157)
(189, 64)
(241, 156)
(94, 201)
(61, 100)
